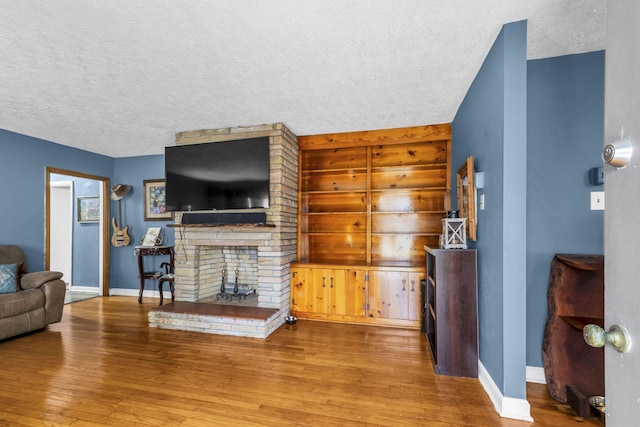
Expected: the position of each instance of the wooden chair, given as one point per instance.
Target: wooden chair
(168, 276)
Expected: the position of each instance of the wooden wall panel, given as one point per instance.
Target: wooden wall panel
(416, 223)
(334, 181)
(373, 197)
(347, 202)
(339, 158)
(336, 223)
(439, 132)
(409, 201)
(400, 248)
(417, 153)
(408, 178)
(341, 248)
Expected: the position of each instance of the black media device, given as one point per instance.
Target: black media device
(218, 175)
(221, 218)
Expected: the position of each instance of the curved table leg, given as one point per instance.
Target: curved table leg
(141, 291)
(160, 282)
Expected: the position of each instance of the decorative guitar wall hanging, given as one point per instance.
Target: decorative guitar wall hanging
(120, 235)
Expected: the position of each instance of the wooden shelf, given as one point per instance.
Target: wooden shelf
(403, 167)
(330, 170)
(578, 322)
(330, 213)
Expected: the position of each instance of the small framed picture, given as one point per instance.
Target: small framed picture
(89, 209)
(155, 201)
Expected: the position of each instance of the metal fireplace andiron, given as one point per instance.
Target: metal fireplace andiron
(230, 290)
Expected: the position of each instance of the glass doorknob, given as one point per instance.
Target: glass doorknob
(618, 336)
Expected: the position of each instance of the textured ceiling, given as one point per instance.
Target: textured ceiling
(121, 77)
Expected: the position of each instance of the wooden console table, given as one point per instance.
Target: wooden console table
(142, 251)
(575, 298)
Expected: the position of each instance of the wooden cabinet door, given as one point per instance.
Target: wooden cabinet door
(347, 293)
(339, 292)
(301, 293)
(335, 290)
(322, 279)
(388, 295)
(394, 295)
(414, 295)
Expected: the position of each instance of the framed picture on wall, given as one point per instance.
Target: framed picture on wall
(467, 196)
(88, 209)
(155, 201)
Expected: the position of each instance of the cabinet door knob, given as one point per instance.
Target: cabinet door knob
(323, 283)
(331, 282)
(404, 282)
(413, 288)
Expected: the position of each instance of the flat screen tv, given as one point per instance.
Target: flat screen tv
(218, 175)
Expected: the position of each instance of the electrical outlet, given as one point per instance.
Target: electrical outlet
(597, 200)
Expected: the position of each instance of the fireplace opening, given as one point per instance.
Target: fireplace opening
(230, 290)
(229, 275)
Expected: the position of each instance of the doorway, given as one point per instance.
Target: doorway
(91, 232)
(61, 220)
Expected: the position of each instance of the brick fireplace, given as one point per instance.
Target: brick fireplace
(261, 253)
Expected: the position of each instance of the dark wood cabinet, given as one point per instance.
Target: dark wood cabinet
(451, 310)
(575, 298)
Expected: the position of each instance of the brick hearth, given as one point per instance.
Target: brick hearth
(253, 322)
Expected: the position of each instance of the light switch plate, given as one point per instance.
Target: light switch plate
(597, 200)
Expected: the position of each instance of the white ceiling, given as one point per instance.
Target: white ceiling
(121, 77)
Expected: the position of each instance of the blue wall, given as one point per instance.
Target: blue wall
(24, 160)
(86, 239)
(133, 171)
(564, 140)
(491, 125)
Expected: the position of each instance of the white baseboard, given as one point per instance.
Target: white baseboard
(536, 375)
(91, 289)
(506, 407)
(150, 293)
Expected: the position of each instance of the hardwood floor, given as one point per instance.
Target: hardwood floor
(102, 365)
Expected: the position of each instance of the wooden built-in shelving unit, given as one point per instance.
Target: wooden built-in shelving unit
(368, 204)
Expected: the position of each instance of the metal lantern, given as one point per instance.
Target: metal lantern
(454, 233)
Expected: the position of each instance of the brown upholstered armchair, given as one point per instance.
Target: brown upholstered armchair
(29, 301)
